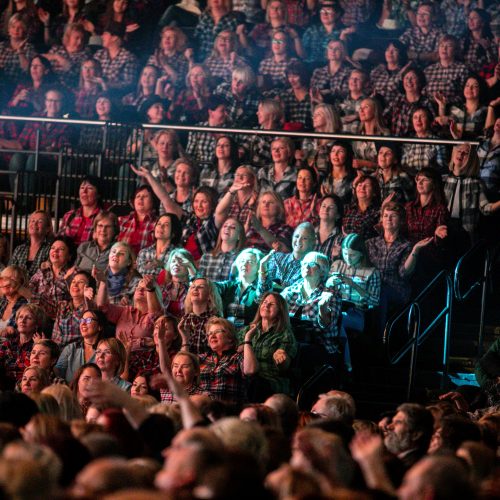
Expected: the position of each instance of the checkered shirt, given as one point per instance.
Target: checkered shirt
(166, 396)
(71, 76)
(195, 325)
(241, 113)
(390, 261)
(10, 67)
(450, 81)
(206, 31)
(455, 17)
(418, 156)
(385, 82)
(275, 71)
(258, 148)
(223, 376)
(251, 8)
(178, 62)
(473, 125)
(240, 305)
(143, 360)
(401, 183)
(282, 268)
(419, 42)
(49, 290)
(77, 227)
(242, 213)
(148, 263)
(315, 41)
(331, 246)
(201, 145)
(217, 267)
(297, 211)
(15, 357)
(206, 232)
(349, 107)
(341, 187)
(356, 12)
(67, 323)
(85, 102)
(337, 84)
(362, 223)
(223, 70)
(367, 278)
(297, 12)
(489, 158)
(325, 334)
(21, 253)
(53, 136)
(285, 187)
(281, 231)
(423, 221)
(120, 72)
(297, 111)
(17, 304)
(137, 234)
(476, 56)
(399, 112)
(174, 304)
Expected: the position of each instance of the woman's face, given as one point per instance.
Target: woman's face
(119, 258)
(37, 70)
(268, 206)
(392, 55)
(319, 118)
(183, 176)
(424, 17)
(148, 77)
(103, 106)
(165, 146)
(168, 327)
(352, 257)
(75, 42)
(328, 210)
(17, 30)
(156, 113)
(139, 387)
(105, 359)
(335, 51)
(88, 195)
(197, 77)
(163, 228)
(104, 232)
(9, 282)
(178, 266)
(143, 202)
(30, 383)
(88, 377)
(229, 232)
(244, 176)
(224, 43)
(294, 81)
(366, 111)
(471, 89)
(37, 226)
(219, 339)
(278, 44)
(475, 22)
(263, 114)
(386, 158)
(223, 149)
(356, 82)
(42, 357)
(420, 121)
(168, 41)
(59, 254)
(309, 269)
(391, 221)
(26, 322)
(279, 152)
(364, 190)
(276, 11)
(88, 70)
(338, 156)
(202, 207)
(327, 15)
(199, 292)
(460, 155)
(53, 103)
(120, 6)
(183, 370)
(247, 266)
(89, 326)
(77, 286)
(425, 186)
(305, 182)
(269, 308)
(140, 292)
(410, 82)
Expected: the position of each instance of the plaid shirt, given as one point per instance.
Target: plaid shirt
(315, 41)
(17, 304)
(85, 102)
(417, 156)
(325, 334)
(456, 16)
(67, 323)
(337, 84)
(489, 157)
(220, 69)
(21, 253)
(449, 81)
(223, 376)
(339, 187)
(217, 267)
(53, 136)
(195, 325)
(265, 344)
(89, 254)
(281, 231)
(178, 62)
(242, 213)
(240, 305)
(166, 396)
(362, 223)
(476, 56)
(331, 246)
(316, 154)
(76, 226)
(367, 278)
(356, 12)
(206, 31)
(285, 187)
(137, 234)
(69, 77)
(209, 176)
(385, 82)
(419, 42)
(258, 148)
(121, 71)
(401, 183)
(297, 111)
(390, 261)
(201, 145)
(275, 71)
(400, 112)
(297, 211)
(173, 303)
(15, 357)
(423, 221)
(349, 107)
(466, 200)
(472, 125)
(241, 113)
(48, 289)
(205, 232)
(10, 65)
(297, 12)
(148, 263)
(282, 268)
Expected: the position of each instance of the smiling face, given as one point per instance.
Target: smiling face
(247, 266)
(424, 17)
(219, 339)
(460, 156)
(309, 269)
(471, 89)
(37, 226)
(279, 44)
(183, 370)
(178, 267)
(103, 107)
(356, 82)
(119, 258)
(269, 308)
(366, 111)
(31, 383)
(410, 82)
(392, 55)
(183, 176)
(139, 387)
(9, 282)
(391, 221)
(202, 206)
(77, 286)
(305, 182)
(59, 254)
(386, 158)
(420, 121)
(42, 357)
(104, 232)
(88, 377)
(280, 152)
(229, 231)
(89, 327)
(143, 202)
(37, 70)
(364, 190)
(53, 103)
(88, 195)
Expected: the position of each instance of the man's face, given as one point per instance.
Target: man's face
(398, 437)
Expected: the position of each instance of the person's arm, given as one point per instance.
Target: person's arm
(126, 340)
(225, 202)
(411, 260)
(10, 144)
(154, 306)
(491, 115)
(102, 294)
(250, 363)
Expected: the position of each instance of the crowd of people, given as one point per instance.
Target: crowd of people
(246, 262)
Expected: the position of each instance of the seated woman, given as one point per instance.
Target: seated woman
(77, 224)
(239, 294)
(328, 230)
(317, 308)
(146, 87)
(357, 281)
(34, 380)
(274, 345)
(122, 278)
(135, 323)
(111, 358)
(390, 176)
(358, 89)
(13, 280)
(45, 354)
(15, 351)
(49, 283)
(179, 270)
(82, 382)
(82, 351)
(202, 302)
(167, 334)
(217, 264)
(223, 369)
(30, 255)
(90, 86)
(152, 260)
(96, 252)
(304, 205)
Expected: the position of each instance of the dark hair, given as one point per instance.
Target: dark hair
(95, 182)
(76, 377)
(486, 30)
(50, 77)
(338, 204)
(314, 177)
(393, 146)
(349, 153)
(175, 228)
(210, 193)
(214, 101)
(438, 197)
(483, 88)
(402, 50)
(102, 322)
(298, 68)
(421, 79)
(455, 429)
(427, 112)
(90, 278)
(234, 156)
(375, 188)
(149, 189)
(69, 244)
(356, 242)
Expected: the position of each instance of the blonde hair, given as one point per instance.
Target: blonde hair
(214, 305)
(69, 409)
(118, 350)
(333, 123)
(36, 311)
(472, 166)
(180, 37)
(279, 201)
(224, 323)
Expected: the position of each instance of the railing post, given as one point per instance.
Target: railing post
(13, 226)
(483, 303)
(414, 349)
(447, 328)
(37, 148)
(57, 190)
(103, 150)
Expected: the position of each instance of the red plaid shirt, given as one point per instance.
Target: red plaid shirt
(15, 357)
(53, 136)
(76, 226)
(423, 221)
(138, 234)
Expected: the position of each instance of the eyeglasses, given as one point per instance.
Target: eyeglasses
(215, 332)
(87, 321)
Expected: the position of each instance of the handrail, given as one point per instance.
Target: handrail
(232, 130)
(413, 327)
